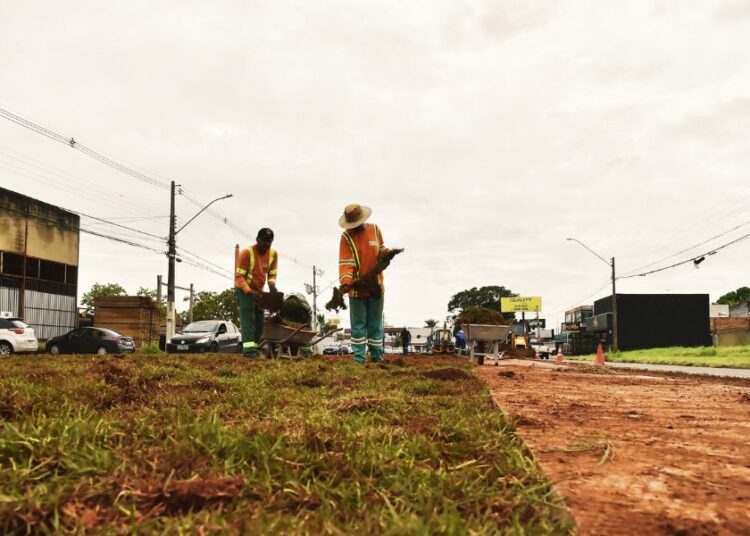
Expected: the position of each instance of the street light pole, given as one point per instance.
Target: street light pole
(172, 256)
(615, 342)
(611, 263)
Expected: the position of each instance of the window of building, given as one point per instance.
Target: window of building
(32, 268)
(12, 264)
(52, 271)
(71, 275)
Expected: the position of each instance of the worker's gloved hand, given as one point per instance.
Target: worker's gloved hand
(272, 287)
(345, 288)
(254, 294)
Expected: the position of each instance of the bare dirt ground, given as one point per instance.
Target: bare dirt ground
(635, 453)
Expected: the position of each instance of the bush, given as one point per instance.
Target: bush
(151, 349)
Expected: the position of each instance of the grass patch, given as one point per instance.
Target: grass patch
(224, 444)
(720, 356)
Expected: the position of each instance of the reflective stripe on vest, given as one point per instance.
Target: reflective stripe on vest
(251, 251)
(354, 252)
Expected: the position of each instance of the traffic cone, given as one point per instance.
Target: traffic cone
(560, 357)
(600, 360)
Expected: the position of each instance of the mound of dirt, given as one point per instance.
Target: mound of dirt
(446, 374)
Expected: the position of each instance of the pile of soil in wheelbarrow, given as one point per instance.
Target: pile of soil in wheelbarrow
(295, 311)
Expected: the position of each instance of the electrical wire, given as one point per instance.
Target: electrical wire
(690, 248)
(69, 181)
(236, 228)
(691, 259)
(71, 141)
(206, 261)
(120, 225)
(587, 297)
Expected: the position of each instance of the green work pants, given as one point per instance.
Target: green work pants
(366, 315)
(251, 323)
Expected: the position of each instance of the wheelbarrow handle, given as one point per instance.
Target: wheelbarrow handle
(327, 334)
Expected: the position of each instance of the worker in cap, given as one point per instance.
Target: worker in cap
(256, 264)
(359, 247)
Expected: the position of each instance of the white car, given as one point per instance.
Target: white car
(16, 336)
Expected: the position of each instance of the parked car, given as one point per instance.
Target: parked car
(337, 348)
(93, 340)
(16, 336)
(207, 336)
(545, 350)
(331, 349)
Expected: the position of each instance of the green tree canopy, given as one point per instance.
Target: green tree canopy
(487, 297)
(741, 295)
(216, 305)
(430, 323)
(147, 292)
(97, 291)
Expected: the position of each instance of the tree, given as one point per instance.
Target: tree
(324, 326)
(215, 305)
(147, 292)
(741, 295)
(99, 290)
(151, 293)
(431, 323)
(487, 297)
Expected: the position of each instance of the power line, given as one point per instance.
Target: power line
(162, 238)
(691, 247)
(71, 182)
(691, 259)
(206, 261)
(71, 141)
(57, 184)
(81, 229)
(236, 228)
(591, 295)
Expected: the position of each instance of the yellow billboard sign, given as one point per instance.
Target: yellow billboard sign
(521, 304)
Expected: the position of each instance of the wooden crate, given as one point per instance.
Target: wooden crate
(138, 317)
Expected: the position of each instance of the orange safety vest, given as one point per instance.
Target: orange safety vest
(253, 268)
(358, 255)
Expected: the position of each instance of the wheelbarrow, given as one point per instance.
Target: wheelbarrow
(275, 335)
(488, 334)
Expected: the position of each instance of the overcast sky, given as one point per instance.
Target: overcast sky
(482, 134)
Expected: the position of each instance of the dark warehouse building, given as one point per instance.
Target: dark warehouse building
(655, 320)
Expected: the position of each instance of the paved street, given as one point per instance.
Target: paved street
(704, 371)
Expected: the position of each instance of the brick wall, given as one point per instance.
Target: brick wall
(719, 325)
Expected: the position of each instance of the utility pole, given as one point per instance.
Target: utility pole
(158, 289)
(315, 301)
(615, 342)
(171, 255)
(22, 290)
(192, 300)
(611, 264)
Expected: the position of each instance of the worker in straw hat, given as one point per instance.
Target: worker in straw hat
(359, 247)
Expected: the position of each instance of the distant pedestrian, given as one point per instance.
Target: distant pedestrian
(359, 247)
(256, 263)
(460, 342)
(405, 340)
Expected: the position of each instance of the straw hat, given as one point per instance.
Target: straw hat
(354, 215)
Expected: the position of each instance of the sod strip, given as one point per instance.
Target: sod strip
(163, 443)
